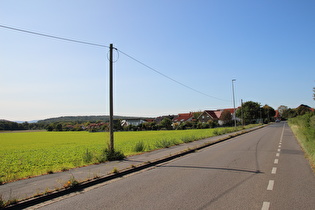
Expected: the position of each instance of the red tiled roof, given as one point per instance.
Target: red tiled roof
(183, 117)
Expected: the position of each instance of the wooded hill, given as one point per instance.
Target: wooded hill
(82, 119)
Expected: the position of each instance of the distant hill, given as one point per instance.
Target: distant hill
(81, 119)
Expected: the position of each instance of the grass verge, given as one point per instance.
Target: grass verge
(303, 128)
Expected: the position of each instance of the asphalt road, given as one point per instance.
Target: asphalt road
(264, 169)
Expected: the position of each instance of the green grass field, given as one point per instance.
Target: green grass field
(29, 154)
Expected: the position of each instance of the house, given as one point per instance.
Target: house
(134, 122)
(208, 115)
(183, 117)
(219, 113)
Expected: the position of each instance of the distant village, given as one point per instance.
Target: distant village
(191, 120)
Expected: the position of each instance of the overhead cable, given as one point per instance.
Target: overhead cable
(53, 37)
(180, 83)
(104, 46)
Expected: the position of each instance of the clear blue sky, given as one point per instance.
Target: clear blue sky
(268, 46)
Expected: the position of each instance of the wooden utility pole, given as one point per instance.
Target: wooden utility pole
(111, 121)
(242, 109)
(233, 80)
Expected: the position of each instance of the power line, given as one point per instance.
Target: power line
(53, 37)
(158, 72)
(104, 46)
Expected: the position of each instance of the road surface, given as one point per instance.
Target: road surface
(264, 169)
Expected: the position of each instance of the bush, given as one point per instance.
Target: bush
(187, 139)
(165, 143)
(304, 129)
(139, 147)
(108, 155)
(312, 122)
(87, 156)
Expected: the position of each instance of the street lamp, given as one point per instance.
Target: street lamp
(233, 80)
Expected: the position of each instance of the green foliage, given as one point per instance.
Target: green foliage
(166, 123)
(304, 128)
(8, 125)
(165, 143)
(302, 109)
(268, 113)
(250, 111)
(87, 156)
(139, 147)
(187, 139)
(109, 155)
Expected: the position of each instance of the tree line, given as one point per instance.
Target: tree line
(250, 112)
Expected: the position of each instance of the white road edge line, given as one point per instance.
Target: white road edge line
(279, 150)
(282, 133)
(276, 161)
(274, 170)
(278, 154)
(265, 205)
(270, 185)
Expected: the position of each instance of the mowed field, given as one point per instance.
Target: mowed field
(26, 154)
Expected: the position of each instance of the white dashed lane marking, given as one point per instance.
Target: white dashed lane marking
(270, 185)
(265, 206)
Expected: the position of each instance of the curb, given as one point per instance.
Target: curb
(85, 184)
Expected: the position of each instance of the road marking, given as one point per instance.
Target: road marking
(265, 205)
(274, 170)
(279, 146)
(282, 133)
(279, 150)
(278, 154)
(270, 185)
(276, 161)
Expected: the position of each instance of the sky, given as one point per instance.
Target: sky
(172, 56)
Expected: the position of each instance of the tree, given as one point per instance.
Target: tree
(251, 112)
(226, 117)
(59, 127)
(166, 123)
(302, 109)
(268, 113)
(314, 93)
(282, 109)
(50, 127)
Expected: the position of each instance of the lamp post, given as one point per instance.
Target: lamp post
(233, 80)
